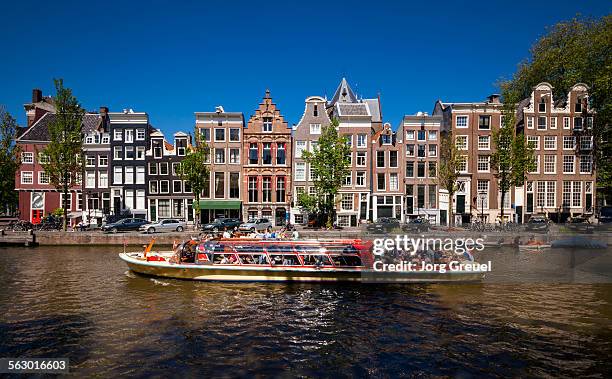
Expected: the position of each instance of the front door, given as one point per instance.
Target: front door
(37, 215)
(460, 204)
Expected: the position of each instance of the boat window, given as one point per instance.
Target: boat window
(342, 249)
(346, 260)
(285, 260)
(308, 248)
(316, 260)
(249, 249)
(214, 247)
(226, 259)
(279, 248)
(254, 259)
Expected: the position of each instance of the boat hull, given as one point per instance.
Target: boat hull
(290, 274)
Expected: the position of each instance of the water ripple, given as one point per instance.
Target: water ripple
(83, 304)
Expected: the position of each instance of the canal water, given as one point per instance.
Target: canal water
(553, 318)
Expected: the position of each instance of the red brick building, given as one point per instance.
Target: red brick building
(266, 169)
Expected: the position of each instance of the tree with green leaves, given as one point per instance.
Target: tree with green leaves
(575, 51)
(64, 151)
(329, 163)
(9, 161)
(512, 158)
(448, 172)
(194, 171)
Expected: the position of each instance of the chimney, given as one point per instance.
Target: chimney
(494, 98)
(36, 95)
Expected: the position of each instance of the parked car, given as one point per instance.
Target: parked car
(169, 225)
(580, 224)
(383, 225)
(605, 215)
(125, 225)
(221, 224)
(537, 224)
(255, 225)
(416, 225)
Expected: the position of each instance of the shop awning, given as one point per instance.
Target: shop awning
(220, 204)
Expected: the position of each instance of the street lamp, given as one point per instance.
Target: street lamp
(482, 196)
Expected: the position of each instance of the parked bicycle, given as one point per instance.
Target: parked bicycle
(20, 226)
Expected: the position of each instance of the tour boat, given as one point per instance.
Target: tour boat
(240, 259)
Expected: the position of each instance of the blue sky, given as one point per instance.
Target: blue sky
(173, 58)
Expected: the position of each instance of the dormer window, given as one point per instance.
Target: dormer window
(542, 105)
(578, 106)
(157, 145)
(386, 139)
(181, 146)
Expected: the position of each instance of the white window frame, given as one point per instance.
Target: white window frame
(530, 122)
(393, 186)
(167, 186)
(300, 147)
(553, 122)
(90, 179)
(315, 128)
(129, 175)
(29, 174)
(102, 175)
(536, 140)
(40, 178)
(300, 176)
(237, 155)
(467, 144)
(139, 154)
(487, 160)
(88, 158)
(573, 162)
(129, 135)
(590, 160)
(554, 171)
(435, 150)
(215, 136)
(467, 121)
(365, 140)
(140, 179)
(566, 123)
(364, 155)
(27, 157)
(360, 175)
(573, 141)
(482, 146)
(548, 139)
(118, 135)
(118, 174)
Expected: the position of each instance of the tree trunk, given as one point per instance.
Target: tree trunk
(197, 213)
(503, 197)
(451, 215)
(64, 204)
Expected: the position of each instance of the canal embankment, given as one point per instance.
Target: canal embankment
(98, 238)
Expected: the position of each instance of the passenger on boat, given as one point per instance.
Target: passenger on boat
(295, 235)
(227, 234)
(188, 252)
(224, 261)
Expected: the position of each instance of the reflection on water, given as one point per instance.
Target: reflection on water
(85, 305)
